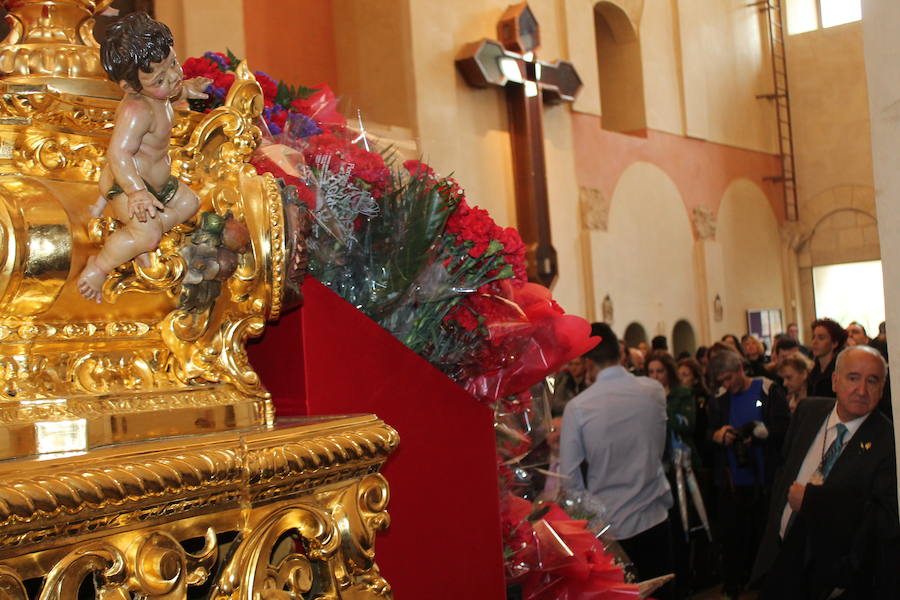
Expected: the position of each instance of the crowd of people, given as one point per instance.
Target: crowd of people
(759, 469)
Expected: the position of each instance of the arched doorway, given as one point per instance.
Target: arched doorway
(683, 339)
(620, 70)
(635, 334)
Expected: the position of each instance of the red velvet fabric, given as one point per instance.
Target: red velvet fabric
(444, 539)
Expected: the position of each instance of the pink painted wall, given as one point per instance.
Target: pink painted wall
(701, 170)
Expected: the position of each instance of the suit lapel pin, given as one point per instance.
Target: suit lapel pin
(865, 445)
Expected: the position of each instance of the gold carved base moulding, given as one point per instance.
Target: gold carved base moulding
(289, 511)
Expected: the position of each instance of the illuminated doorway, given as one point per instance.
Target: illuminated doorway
(850, 292)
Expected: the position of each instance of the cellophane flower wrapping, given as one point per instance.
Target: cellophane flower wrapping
(555, 546)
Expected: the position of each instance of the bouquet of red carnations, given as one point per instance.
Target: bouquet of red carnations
(403, 245)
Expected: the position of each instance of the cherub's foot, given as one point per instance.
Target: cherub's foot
(90, 282)
(144, 261)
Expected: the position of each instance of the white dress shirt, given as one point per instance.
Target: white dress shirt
(618, 425)
(827, 434)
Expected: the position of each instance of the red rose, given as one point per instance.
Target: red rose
(321, 106)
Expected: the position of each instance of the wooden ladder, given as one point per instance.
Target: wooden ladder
(788, 176)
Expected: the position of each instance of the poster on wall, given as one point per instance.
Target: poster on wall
(765, 324)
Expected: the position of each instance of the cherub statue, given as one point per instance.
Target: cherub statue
(137, 178)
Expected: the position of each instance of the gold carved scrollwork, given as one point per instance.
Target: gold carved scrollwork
(37, 106)
(11, 586)
(252, 574)
(104, 561)
(163, 274)
(154, 565)
(359, 515)
(209, 345)
(121, 371)
(41, 154)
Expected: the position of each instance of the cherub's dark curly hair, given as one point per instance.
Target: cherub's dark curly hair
(134, 42)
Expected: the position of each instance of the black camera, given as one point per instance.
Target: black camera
(751, 430)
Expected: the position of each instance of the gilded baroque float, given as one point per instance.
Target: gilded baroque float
(139, 451)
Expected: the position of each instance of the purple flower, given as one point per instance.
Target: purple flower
(301, 126)
(216, 92)
(217, 58)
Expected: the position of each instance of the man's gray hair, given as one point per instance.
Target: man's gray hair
(725, 361)
(867, 349)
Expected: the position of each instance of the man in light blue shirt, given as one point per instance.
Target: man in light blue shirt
(618, 425)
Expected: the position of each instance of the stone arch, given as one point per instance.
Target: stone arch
(634, 334)
(683, 338)
(841, 236)
(749, 239)
(845, 196)
(620, 69)
(841, 227)
(645, 258)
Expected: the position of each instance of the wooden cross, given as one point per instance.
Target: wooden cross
(510, 63)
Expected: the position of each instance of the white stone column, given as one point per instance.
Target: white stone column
(881, 22)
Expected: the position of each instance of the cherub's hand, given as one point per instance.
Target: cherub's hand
(193, 88)
(142, 204)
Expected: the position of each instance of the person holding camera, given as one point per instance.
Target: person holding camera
(748, 420)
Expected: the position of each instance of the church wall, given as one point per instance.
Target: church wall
(701, 170)
(644, 260)
(726, 63)
(660, 49)
(748, 235)
(201, 25)
(829, 111)
(703, 65)
(292, 41)
(832, 141)
(374, 60)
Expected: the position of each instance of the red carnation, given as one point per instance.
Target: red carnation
(268, 85)
(462, 317)
(279, 117)
(223, 80)
(514, 252)
(200, 67)
(419, 170)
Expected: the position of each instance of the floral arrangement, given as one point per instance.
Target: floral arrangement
(405, 246)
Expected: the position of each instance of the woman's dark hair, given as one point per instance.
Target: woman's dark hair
(786, 343)
(697, 371)
(701, 352)
(738, 347)
(134, 42)
(835, 331)
(668, 363)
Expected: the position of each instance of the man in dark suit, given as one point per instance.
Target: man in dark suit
(833, 527)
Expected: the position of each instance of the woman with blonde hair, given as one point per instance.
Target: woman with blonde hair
(794, 371)
(755, 353)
